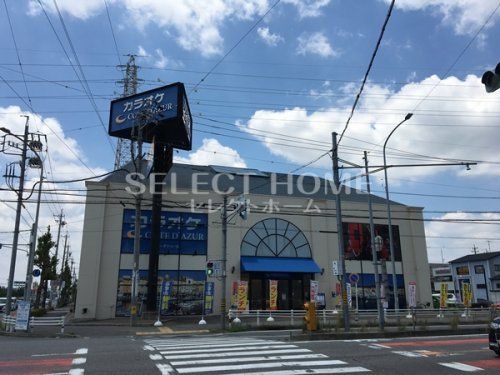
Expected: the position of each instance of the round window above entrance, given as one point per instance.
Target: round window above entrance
(275, 238)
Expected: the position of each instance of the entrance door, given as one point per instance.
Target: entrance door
(297, 294)
(284, 302)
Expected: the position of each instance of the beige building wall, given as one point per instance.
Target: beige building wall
(101, 259)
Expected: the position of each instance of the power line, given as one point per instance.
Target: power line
(112, 32)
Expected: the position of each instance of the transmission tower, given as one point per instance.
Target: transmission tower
(129, 83)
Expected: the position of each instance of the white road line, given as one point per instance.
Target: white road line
(236, 354)
(197, 342)
(79, 361)
(205, 345)
(248, 359)
(409, 354)
(205, 350)
(379, 346)
(77, 352)
(187, 370)
(462, 366)
(148, 347)
(332, 370)
(76, 371)
(81, 351)
(155, 357)
(164, 368)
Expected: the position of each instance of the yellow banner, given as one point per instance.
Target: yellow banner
(443, 296)
(242, 295)
(467, 294)
(273, 294)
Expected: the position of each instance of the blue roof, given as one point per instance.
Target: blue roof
(276, 264)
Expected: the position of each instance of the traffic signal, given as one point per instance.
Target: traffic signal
(210, 268)
(491, 80)
(310, 318)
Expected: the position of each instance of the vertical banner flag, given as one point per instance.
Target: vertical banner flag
(466, 292)
(412, 294)
(242, 295)
(443, 296)
(166, 292)
(234, 295)
(314, 289)
(273, 294)
(349, 294)
(209, 297)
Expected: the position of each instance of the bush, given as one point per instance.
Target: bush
(38, 312)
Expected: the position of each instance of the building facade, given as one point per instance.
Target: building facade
(482, 272)
(289, 238)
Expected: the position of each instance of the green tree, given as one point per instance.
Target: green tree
(66, 290)
(47, 265)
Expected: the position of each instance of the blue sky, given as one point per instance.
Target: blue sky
(295, 74)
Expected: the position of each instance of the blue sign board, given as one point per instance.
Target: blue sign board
(183, 232)
(36, 272)
(166, 294)
(163, 114)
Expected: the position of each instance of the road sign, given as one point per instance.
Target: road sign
(354, 278)
(36, 272)
(349, 294)
(335, 267)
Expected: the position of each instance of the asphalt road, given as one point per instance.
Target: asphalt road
(266, 353)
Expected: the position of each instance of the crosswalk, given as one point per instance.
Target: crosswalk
(238, 355)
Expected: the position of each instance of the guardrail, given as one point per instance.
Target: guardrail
(333, 318)
(9, 322)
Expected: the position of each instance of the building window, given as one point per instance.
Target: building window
(496, 267)
(498, 285)
(481, 286)
(275, 238)
(462, 270)
(479, 269)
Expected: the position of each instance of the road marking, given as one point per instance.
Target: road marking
(81, 351)
(379, 346)
(76, 371)
(164, 368)
(188, 370)
(461, 367)
(239, 348)
(149, 347)
(77, 352)
(332, 370)
(79, 361)
(248, 359)
(409, 354)
(155, 357)
(485, 363)
(234, 354)
(435, 343)
(204, 345)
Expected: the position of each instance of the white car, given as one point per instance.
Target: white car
(450, 301)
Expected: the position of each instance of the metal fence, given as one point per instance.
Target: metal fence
(363, 318)
(9, 322)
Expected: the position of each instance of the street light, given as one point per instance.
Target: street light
(389, 219)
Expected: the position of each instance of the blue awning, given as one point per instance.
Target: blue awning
(275, 264)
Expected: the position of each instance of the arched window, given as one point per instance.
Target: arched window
(275, 238)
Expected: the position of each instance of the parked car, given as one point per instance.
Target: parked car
(450, 301)
(494, 335)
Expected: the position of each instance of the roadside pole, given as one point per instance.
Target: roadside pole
(224, 259)
(340, 236)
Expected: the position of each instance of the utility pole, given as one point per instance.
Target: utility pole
(59, 220)
(64, 252)
(474, 249)
(340, 232)
(137, 226)
(372, 243)
(129, 83)
(17, 222)
(224, 259)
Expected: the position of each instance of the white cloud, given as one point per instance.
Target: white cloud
(474, 234)
(79, 9)
(454, 122)
(65, 166)
(315, 43)
(308, 8)
(158, 58)
(269, 38)
(212, 152)
(465, 16)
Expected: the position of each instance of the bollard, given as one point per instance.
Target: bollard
(258, 317)
(291, 317)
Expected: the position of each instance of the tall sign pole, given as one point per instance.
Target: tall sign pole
(372, 244)
(17, 222)
(224, 261)
(340, 233)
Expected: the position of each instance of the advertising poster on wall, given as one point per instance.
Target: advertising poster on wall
(357, 241)
(273, 294)
(209, 297)
(412, 294)
(242, 295)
